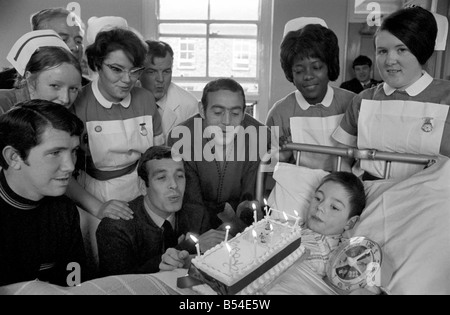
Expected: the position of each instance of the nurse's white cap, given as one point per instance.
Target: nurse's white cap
(21, 52)
(301, 22)
(104, 23)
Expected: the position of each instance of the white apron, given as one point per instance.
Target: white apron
(115, 145)
(402, 127)
(318, 131)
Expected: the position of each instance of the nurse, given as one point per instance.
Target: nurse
(122, 122)
(409, 112)
(310, 60)
(46, 70)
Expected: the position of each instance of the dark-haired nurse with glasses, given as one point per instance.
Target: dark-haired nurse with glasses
(122, 122)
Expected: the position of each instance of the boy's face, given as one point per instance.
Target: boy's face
(311, 79)
(225, 109)
(329, 210)
(49, 166)
(166, 181)
(362, 73)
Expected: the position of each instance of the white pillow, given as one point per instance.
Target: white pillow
(411, 223)
(294, 189)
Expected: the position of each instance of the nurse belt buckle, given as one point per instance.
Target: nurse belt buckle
(143, 131)
(427, 125)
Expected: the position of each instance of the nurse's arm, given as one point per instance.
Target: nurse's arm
(114, 209)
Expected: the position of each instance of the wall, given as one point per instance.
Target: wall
(333, 12)
(15, 16)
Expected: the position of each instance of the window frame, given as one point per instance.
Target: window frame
(263, 38)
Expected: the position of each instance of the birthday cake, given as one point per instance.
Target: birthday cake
(249, 261)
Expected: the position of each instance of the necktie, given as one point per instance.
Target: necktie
(170, 238)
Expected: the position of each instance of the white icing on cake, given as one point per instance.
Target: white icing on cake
(269, 242)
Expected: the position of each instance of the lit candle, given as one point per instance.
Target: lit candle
(285, 216)
(227, 228)
(255, 214)
(266, 208)
(229, 257)
(255, 242)
(197, 246)
(297, 219)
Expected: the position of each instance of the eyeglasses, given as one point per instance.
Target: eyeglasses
(134, 73)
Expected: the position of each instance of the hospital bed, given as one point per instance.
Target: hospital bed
(409, 219)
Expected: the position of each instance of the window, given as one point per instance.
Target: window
(186, 58)
(212, 39)
(241, 55)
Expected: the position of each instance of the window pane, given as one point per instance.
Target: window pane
(234, 29)
(189, 56)
(183, 28)
(235, 10)
(221, 58)
(183, 9)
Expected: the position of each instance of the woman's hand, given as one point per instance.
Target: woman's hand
(115, 209)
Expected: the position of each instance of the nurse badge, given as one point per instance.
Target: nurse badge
(427, 125)
(143, 130)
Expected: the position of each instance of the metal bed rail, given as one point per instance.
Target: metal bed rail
(340, 153)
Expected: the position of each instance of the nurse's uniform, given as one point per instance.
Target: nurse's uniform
(412, 121)
(311, 124)
(115, 137)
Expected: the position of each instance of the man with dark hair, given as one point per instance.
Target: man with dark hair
(175, 104)
(221, 164)
(54, 19)
(159, 222)
(40, 236)
(362, 67)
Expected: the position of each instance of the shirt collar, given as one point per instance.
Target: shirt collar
(415, 89)
(13, 199)
(156, 218)
(103, 101)
(327, 100)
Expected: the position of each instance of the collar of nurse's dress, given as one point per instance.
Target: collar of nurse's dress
(415, 89)
(327, 100)
(103, 101)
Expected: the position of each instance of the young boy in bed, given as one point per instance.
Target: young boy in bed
(337, 204)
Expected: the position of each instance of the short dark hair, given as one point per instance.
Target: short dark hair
(23, 125)
(362, 61)
(416, 28)
(39, 18)
(49, 57)
(158, 49)
(153, 153)
(312, 41)
(226, 84)
(112, 40)
(354, 187)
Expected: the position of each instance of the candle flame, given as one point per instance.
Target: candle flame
(193, 238)
(265, 201)
(253, 206)
(228, 227)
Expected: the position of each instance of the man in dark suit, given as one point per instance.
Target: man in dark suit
(362, 66)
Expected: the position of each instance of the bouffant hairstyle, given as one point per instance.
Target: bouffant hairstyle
(416, 28)
(112, 40)
(312, 41)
